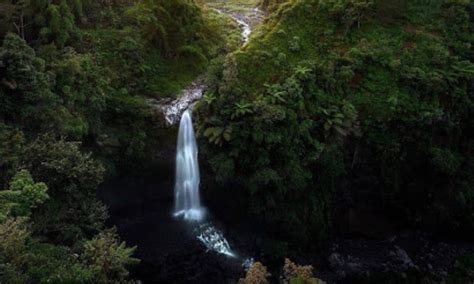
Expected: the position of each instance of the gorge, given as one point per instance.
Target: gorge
(383, 251)
(237, 141)
(192, 224)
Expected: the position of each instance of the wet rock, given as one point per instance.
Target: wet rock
(355, 268)
(400, 257)
(335, 260)
(341, 273)
(156, 108)
(168, 111)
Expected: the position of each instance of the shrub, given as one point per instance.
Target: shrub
(22, 197)
(257, 274)
(297, 274)
(108, 256)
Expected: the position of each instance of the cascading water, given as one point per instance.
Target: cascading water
(187, 201)
(213, 239)
(172, 109)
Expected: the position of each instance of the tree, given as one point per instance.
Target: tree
(19, 21)
(25, 259)
(257, 274)
(22, 197)
(14, 17)
(25, 87)
(11, 143)
(294, 273)
(72, 213)
(178, 27)
(382, 113)
(108, 256)
(59, 24)
(78, 81)
(13, 250)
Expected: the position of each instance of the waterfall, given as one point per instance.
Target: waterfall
(187, 201)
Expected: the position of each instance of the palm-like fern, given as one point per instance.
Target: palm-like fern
(242, 109)
(218, 135)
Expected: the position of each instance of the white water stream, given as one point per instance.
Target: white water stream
(172, 110)
(186, 190)
(187, 199)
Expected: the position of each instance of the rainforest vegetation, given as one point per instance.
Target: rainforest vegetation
(334, 112)
(372, 100)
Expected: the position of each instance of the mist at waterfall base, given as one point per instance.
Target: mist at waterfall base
(142, 206)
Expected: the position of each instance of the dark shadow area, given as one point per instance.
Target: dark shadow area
(141, 209)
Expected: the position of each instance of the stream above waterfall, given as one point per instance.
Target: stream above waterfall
(172, 108)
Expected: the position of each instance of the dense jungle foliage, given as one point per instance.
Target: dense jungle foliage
(336, 108)
(74, 76)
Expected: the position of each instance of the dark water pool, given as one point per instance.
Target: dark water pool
(141, 209)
